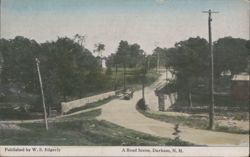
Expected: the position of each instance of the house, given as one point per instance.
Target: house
(240, 87)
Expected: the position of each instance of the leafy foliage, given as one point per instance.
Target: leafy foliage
(68, 69)
(99, 48)
(141, 106)
(230, 54)
(19, 63)
(189, 61)
(127, 55)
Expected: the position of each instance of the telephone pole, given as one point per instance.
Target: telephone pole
(0, 19)
(158, 58)
(43, 99)
(144, 71)
(158, 61)
(211, 82)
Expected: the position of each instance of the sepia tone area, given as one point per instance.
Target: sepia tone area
(116, 73)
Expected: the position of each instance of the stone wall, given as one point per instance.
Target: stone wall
(67, 106)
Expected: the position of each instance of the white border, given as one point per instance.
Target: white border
(122, 151)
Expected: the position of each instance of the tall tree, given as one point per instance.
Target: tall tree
(80, 39)
(19, 63)
(67, 64)
(248, 46)
(189, 59)
(128, 56)
(3, 45)
(99, 48)
(228, 53)
(68, 69)
(135, 55)
(122, 57)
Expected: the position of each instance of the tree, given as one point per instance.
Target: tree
(1, 65)
(190, 60)
(163, 59)
(99, 48)
(128, 56)
(228, 53)
(79, 39)
(112, 61)
(248, 46)
(122, 57)
(68, 69)
(19, 63)
(163, 54)
(152, 61)
(66, 65)
(135, 55)
(3, 45)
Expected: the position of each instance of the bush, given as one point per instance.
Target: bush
(17, 114)
(141, 105)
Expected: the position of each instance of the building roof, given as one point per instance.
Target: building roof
(241, 77)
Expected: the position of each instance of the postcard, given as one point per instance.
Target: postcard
(124, 77)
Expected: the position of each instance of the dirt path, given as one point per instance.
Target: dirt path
(124, 113)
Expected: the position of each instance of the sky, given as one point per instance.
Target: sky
(149, 23)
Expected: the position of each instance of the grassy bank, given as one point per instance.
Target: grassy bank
(82, 130)
(194, 121)
(199, 121)
(18, 114)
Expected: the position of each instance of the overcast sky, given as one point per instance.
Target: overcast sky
(146, 22)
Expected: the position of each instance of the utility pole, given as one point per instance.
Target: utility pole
(211, 82)
(1, 58)
(158, 58)
(158, 61)
(124, 77)
(144, 70)
(143, 87)
(41, 87)
(116, 76)
(0, 19)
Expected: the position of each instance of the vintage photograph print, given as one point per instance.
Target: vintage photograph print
(135, 77)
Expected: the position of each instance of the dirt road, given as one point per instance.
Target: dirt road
(124, 113)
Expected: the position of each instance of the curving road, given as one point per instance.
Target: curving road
(124, 113)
